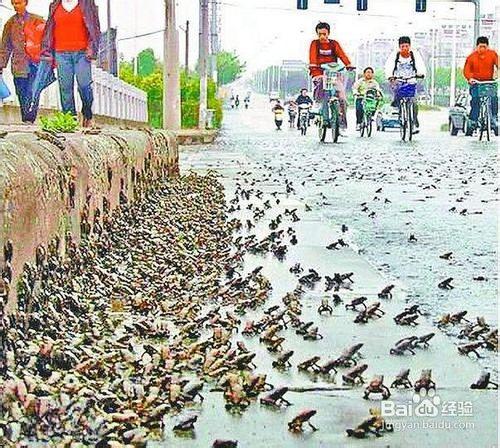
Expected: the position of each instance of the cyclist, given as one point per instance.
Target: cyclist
(323, 50)
(360, 87)
(303, 98)
(406, 63)
(480, 66)
(292, 112)
(278, 114)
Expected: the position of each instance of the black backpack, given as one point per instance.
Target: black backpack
(412, 60)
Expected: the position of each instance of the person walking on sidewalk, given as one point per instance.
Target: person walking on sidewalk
(72, 37)
(16, 41)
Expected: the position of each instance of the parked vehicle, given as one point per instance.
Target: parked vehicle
(387, 118)
(458, 115)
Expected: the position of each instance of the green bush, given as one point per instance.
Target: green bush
(152, 84)
(59, 122)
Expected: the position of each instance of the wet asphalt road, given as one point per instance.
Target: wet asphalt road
(383, 190)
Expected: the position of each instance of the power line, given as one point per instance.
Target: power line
(142, 35)
(337, 12)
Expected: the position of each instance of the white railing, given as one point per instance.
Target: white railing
(112, 97)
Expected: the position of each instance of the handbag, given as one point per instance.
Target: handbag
(4, 90)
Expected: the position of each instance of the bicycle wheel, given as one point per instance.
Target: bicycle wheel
(485, 121)
(369, 127)
(321, 129)
(403, 120)
(410, 118)
(335, 121)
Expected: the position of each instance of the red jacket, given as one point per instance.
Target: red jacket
(323, 53)
(481, 66)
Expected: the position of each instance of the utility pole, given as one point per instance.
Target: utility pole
(477, 19)
(214, 40)
(108, 36)
(433, 67)
(453, 80)
(204, 24)
(186, 33)
(171, 81)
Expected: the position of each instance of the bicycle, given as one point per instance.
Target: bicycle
(370, 106)
(485, 90)
(304, 118)
(406, 93)
(329, 116)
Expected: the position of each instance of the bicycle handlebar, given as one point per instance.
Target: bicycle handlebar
(333, 66)
(493, 81)
(401, 78)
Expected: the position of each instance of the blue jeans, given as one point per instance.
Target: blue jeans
(71, 64)
(359, 110)
(475, 104)
(24, 92)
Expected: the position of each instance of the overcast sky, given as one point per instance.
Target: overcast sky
(263, 32)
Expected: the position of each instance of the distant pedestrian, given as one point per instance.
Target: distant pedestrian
(72, 37)
(21, 39)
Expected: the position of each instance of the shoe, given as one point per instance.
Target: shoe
(358, 127)
(88, 123)
(416, 131)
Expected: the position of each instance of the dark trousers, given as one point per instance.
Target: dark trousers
(24, 92)
(475, 104)
(71, 65)
(359, 110)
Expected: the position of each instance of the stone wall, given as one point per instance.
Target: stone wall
(48, 191)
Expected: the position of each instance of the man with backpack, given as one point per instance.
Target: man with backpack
(21, 39)
(406, 63)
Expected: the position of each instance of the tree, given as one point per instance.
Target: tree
(152, 84)
(443, 78)
(229, 67)
(147, 62)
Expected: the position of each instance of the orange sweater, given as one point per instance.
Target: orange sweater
(70, 32)
(325, 52)
(481, 66)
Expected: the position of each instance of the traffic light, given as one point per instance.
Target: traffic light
(421, 6)
(362, 5)
(332, 2)
(301, 4)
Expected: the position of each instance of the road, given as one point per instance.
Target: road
(438, 189)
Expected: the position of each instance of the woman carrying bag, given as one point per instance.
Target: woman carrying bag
(21, 43)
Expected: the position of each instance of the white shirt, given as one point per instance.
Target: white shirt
(69, 5)
(404, 67)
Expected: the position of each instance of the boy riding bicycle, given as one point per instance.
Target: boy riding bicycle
(480, 66)
(326, 51)
(409, 65)
(360, 88)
